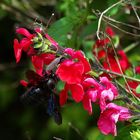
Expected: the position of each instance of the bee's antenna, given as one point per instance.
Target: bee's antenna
(49, 21)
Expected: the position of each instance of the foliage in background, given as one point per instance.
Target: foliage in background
(73, 25)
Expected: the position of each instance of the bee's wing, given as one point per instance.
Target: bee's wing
(34, 96)
(57, 117)
(54, 108)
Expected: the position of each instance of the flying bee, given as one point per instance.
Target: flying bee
(41, 91)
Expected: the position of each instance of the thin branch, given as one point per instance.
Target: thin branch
(131, 46)
(105, 11)
(117, 60)
(14, 10)
(109, 20)
(120, 75)
(122, 23)
(122, 30)
(135, 13)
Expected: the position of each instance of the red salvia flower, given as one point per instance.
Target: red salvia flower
(107, 56)
(27, 44)
(112, 64)
(72, 71)
(133, 85)
(17, 50)
(137, 69)
(102, 93)
(24, 44)
(109, 31)
(76, 91)
(107, 92)
(91, 88)
(109, 117)
(40, 60)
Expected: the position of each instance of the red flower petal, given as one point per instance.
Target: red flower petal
(24, 83)
(38, 30)
(38, 64)
(108, 85)
(133, 85)
(109, 31)
(24, 32)
(113, 65)
(53, 42)
(124, 62)
(90, 83)
(63, 95)
(137, 69)
(47, 58)
(87, 104)
(69, 51)
(102, 42)
(77, 92)
(108, 119)
(17, 50)
(107, 122)
(25, 43)
(70, 72)
(80, 56)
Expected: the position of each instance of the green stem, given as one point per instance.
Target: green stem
(130, 47)
(105, 11)
(121, 75)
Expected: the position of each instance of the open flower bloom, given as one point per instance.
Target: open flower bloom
(76, 90)
(72, 71)
(24, 44)
(106, 55)
(102, 92)
(107, 92)
(34, 45)
(109, 117)
(91, 88)
(102, 42)
(40, 60)
(110, 62)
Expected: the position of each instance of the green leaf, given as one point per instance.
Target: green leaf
(60, 29)
(2, 13)
(124, 131)
(113, 11)
(66, 25)
(74, 133)
(138, 89)
(116, 40)
(89, 29)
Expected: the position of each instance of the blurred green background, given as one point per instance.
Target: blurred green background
(73, 25)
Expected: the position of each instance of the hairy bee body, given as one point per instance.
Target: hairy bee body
(41, 92)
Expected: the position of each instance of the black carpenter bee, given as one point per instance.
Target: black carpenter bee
(41, 91)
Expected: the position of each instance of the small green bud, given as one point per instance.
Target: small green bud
(38, 45)
(47, 42)
(135, 135)
(93, 74)
(45, 48)
(35, 39)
